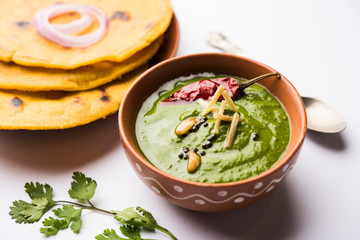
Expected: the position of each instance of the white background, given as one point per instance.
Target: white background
(315, 44)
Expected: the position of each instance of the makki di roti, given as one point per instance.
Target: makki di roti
(60, 109)
(17, 77)
(133, 25)
(44, 85)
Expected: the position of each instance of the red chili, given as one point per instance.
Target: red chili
(205, 89)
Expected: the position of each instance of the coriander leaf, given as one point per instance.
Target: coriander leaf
(38, 190)
(37, 210)
(24, 212)
(132, 217)
(82, 188)
(68, 215)
(16, 209)
(52, 226)
(72, 215)
(109, 235)
(147, 215)
(132, 232)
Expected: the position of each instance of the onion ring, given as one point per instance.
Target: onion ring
(57, 33)
(76, 25)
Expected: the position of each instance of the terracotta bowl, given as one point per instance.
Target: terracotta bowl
(204, 196)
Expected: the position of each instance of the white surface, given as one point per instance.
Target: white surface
(315, 44)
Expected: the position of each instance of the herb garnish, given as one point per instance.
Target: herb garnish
(69, 215)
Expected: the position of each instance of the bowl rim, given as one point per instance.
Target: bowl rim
(282, 161)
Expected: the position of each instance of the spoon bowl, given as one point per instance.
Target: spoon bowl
(321, 117)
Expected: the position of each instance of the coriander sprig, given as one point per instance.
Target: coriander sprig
(140, 218)
(69, 215)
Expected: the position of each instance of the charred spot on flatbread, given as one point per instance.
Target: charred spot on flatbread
(149, 26)
(77, 99)
(16, 102)
(121, 15)
(104, 97)
(23, 24)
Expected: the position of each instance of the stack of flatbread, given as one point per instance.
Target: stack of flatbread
(44, 85)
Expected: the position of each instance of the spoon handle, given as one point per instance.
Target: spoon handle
(220, 41)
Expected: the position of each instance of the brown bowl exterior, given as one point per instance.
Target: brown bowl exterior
(202, 196)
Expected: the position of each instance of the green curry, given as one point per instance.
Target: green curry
(261, 138)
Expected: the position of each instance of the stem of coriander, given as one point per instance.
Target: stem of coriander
(164, 230)
(85, 206)
(90, 204)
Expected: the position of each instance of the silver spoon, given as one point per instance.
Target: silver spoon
(321, 117)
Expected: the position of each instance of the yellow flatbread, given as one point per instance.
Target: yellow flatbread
(59, 109)
(17, 77)
(133, 25)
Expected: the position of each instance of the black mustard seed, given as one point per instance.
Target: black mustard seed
(185, 149)
(255, 136)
